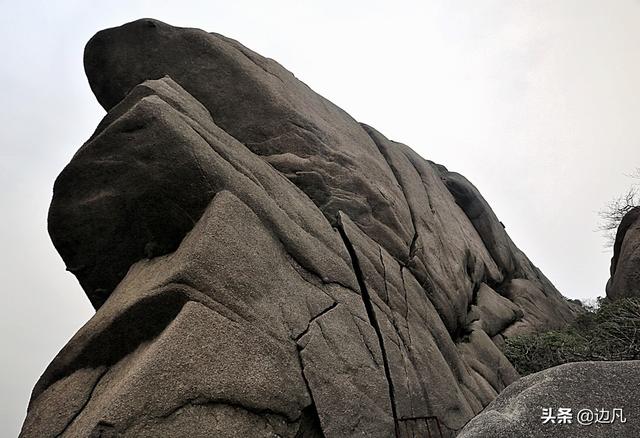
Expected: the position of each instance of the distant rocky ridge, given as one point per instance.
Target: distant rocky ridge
(263, 265)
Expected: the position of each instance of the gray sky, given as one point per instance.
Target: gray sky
(536, 102)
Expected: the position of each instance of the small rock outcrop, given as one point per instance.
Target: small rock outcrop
(625, 263)
(263, 265)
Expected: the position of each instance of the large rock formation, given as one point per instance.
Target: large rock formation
(625, 263)
(263, 265)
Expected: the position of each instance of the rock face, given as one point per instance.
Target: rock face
(625, 264)
(263, 265)
(599, 387)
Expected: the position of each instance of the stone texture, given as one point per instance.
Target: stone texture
(599, 387)
(517, 411)
(255, 100)
(263, 265)
(625, 263)
(493, 311)
(524, 284)
(243, 263)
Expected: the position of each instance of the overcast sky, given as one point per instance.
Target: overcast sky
(536, 102)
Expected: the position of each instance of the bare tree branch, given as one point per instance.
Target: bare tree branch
(612, 214)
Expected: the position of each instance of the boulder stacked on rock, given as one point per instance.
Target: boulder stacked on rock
(263, 265)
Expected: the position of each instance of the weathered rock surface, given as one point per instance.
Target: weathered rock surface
(593, 386)
(625, 263)
(263, 265)
(607, 390)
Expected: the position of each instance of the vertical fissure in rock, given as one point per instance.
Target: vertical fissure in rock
(309, 426)
(308, 385)
(373, 320)
(413, 247)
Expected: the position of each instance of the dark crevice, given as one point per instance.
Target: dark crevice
(373, 319)
(309, 424)
(414, 246)
(319, 315)
(306, 382)
(461, 334)
(403, 345)
(474, 297)
(463, 331)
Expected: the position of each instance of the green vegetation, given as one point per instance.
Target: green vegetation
(610, 331)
